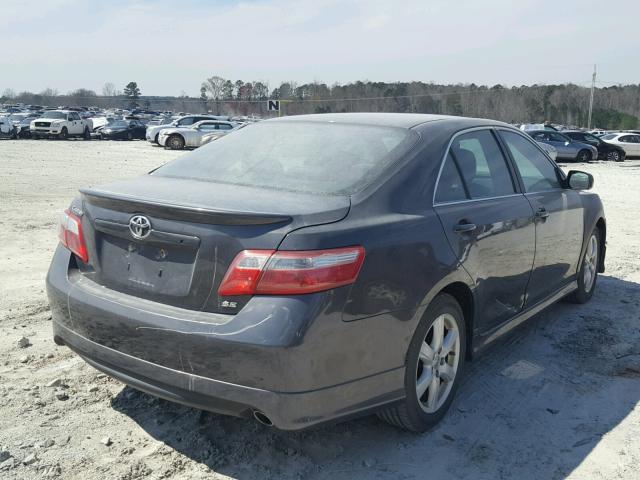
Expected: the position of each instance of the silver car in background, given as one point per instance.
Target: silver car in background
(153, 132)
(567, 149)
(191, 137)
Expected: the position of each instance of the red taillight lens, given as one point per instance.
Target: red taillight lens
(265, 272)
(70, 234)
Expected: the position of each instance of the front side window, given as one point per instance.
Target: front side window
(537, 172)
(482, 166)
(450, 187)
(556, 137)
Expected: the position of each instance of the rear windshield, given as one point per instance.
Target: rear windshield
(330, 158)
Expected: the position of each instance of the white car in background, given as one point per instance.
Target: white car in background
(191, 137)
(153, 132)
(7, 129)
(629, 142)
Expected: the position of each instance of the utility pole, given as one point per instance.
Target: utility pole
(593, 87)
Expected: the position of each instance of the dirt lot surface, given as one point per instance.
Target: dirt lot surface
(556, 399)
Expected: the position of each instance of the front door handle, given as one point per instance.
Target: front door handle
(464, 227)
(542, 213)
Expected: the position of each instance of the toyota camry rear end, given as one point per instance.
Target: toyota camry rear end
(240, 279)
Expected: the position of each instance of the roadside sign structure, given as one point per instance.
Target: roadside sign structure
(273, 105)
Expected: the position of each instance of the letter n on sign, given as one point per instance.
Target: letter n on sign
(274, 105)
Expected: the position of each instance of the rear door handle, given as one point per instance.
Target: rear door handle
(542, 213)
(464, 227)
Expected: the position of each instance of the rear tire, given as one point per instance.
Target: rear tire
(129, 136)
(588, 274)
(435, 360)
(584, 156)
(615, 156)
(87, 134)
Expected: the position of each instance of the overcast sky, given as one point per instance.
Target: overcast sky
(171, 46)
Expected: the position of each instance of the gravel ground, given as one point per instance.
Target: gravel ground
(558, 398)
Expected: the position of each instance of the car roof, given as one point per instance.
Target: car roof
(399, 120)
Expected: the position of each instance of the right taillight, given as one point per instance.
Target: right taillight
(268, 272)
(71, 236)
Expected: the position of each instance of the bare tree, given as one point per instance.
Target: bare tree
(215, 87)
(109, 90)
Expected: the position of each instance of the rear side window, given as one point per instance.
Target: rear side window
(313, 157)
(537, 172)
(482, 165)
(450, 187)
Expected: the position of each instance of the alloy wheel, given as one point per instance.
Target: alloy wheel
(438, 363)
(590, 264)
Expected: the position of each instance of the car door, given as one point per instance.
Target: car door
(626, 142)
(563, 145)
(78, 126)
(634, 143)
(488, 223)
(558, 214)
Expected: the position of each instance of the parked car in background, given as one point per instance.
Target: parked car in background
(598, 132)
(123, 130)
(629, 142)
(314, 268)
(606, 150)
(23, 125)
(62, 124)
(153, 132)
(549, 149)
(7, 128)
(191, 137)
(529, 127)
(567, 149)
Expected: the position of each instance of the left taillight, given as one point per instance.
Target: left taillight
(269, 272)
(71, 236)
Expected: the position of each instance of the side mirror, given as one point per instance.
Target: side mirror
(578, 180)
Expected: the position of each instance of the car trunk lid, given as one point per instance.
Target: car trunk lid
(195, 230)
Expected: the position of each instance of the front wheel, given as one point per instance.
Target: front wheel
(434, 364)
(175, 142)
(64, 134)
(588, 274)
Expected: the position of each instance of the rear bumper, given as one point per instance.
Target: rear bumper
(298, 366)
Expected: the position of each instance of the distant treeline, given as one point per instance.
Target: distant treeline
(616, 107)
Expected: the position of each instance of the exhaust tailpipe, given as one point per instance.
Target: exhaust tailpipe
(262, 418)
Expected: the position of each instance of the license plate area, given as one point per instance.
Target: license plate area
(154, 268)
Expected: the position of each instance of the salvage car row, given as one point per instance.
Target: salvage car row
(170, 131)
(177, 132)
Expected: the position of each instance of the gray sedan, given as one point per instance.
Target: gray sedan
(567, 148)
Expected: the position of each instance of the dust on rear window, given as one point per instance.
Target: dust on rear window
(328, 158)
